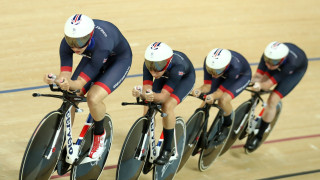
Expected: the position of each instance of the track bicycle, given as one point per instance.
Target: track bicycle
(51, 145)
(248, 119)
(200, 139)
(140, 148)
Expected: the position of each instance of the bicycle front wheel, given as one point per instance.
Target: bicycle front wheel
(239, 123)
(168, 171)
(130, 167)
(93, 169)
(193, 128)
(34, 163)
(212, 151)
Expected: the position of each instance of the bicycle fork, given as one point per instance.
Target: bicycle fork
(141, 152)
(52, 148)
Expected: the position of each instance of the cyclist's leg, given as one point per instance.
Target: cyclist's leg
(177, 96)
(168, 131)
(107, 81)
(231, 89)
(225, 103)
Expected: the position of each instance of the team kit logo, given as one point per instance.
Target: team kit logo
(76, 19)
(155, 45)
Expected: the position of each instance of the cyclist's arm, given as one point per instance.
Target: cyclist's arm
(161, 97)
(74, 84)
(205, 88)
(158, 97)
(266, 85)
(217, 94)
(260, 75)
(77, 84)
(257, 77)
(144, 89)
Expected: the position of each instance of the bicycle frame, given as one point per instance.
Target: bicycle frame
(255, 99)
(141, 153)
(65, 109)
(73, 148)
(206, 109)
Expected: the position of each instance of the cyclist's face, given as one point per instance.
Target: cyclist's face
(156, 74)
(79, 50)
(216, 76)
(271, 67)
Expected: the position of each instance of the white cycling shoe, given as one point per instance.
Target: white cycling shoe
(98, 146)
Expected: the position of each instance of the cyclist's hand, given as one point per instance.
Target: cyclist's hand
(49, 78)
(196, 92)
(209, 99)
(64, 84)
(256, 86)
(149, 95)
(137, 91)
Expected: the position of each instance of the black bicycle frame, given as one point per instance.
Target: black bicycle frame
(206, 108)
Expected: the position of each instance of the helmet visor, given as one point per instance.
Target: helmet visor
(157, 66)
(78, 42)
(215, 72)
(272, 62)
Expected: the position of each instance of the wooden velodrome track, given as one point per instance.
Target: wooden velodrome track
(31, 32)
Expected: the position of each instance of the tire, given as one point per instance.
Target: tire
(193, 128)
(209, 154)
(168, 171)
(34, 165)
(128, 166)
(240, 114)
(92, 170)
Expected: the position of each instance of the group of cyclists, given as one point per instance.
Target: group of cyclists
(169, 76)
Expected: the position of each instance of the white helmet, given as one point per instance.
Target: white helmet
(78, 30)
(275, 53)
(217, 61)
(158, 56)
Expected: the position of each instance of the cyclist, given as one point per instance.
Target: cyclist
(168, 77)
(105, 63)
(283, 65)
(226, 75)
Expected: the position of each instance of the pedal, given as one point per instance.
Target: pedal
(147, 167)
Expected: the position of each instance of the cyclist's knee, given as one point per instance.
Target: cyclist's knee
(224, 101)
(93, 99)
(169, 105)
(273, 100)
